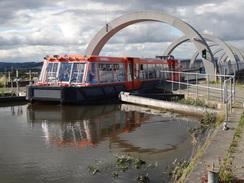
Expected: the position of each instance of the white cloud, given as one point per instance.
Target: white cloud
(31, 29)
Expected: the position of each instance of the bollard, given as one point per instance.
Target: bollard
(225, 127)
(213, 174)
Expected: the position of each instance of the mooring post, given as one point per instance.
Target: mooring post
(213, 174)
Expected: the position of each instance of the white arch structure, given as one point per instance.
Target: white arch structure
(222, 57)
(101, 38)
(228, 50)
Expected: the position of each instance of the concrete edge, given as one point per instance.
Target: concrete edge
(172, 106)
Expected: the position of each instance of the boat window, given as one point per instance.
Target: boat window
(143, 72)
(105, 72)
(129, 72)
(151, 71)
(136, 71)
(64, 72)
(78, 73)
(164, 75)
(158, 68)
(51, 74)
(92, 77)
(119, 72)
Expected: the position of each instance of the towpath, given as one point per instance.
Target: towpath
(220, 144)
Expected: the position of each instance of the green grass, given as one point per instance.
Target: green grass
(189, 101)
(226, 169)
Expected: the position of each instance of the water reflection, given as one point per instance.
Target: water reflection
(16, 108)
(49, 143)
(78, 126)
(84, 127)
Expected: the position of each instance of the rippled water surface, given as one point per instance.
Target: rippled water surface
(49, 143)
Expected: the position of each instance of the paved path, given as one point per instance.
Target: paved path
(217, 149)
(221, 141)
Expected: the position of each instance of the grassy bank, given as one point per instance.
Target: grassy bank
(227, 171)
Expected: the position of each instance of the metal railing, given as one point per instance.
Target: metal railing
(225, 92)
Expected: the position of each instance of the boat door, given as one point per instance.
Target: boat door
(133, 73)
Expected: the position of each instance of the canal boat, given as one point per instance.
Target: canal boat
(84, 79)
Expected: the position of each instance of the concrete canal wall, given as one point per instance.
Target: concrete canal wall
(172, 106)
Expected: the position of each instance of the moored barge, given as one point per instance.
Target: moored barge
(84, 79)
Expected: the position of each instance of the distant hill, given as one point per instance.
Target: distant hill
(21, 66)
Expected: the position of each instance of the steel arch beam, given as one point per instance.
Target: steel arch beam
(101, 38)
(234, 50)
(195, 55)
(216, 40)
(223, 45)
(183, 39)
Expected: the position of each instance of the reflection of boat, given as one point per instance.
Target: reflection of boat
(68, 113)
(133, 131)
(81, 126)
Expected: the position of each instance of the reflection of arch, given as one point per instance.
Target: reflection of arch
(101, 38)
(227, 49)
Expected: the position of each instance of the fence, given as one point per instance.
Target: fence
(225, 93)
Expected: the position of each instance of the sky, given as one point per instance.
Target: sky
(32, 29)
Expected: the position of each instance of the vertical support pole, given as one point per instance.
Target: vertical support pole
(30, 82)
(9, 78)
(221, 90)
(226, 112)
(234, 86)
(187, 74)
(17, 82)
(179, 82)
(213, 176)
(226, 100)
(172, 84)
(11, 81)
(231, 95)
(196, 85)
(208, 86)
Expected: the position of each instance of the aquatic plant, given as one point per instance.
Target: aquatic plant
(92, 169)
(209, 120)
(143, 178)
(124, 163)
(177, 169)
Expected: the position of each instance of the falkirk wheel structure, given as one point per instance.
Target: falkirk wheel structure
(103, 35)
(230, 52)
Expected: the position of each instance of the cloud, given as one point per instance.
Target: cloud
(30, 29)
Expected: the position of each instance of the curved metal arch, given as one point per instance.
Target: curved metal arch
(220, 57)
(216, 40)
(101, 38)
(223, 45)
(179, 41)
(174, 44)
(195, 55)
(235, 51)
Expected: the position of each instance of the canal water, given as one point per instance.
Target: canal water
(51, 143)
